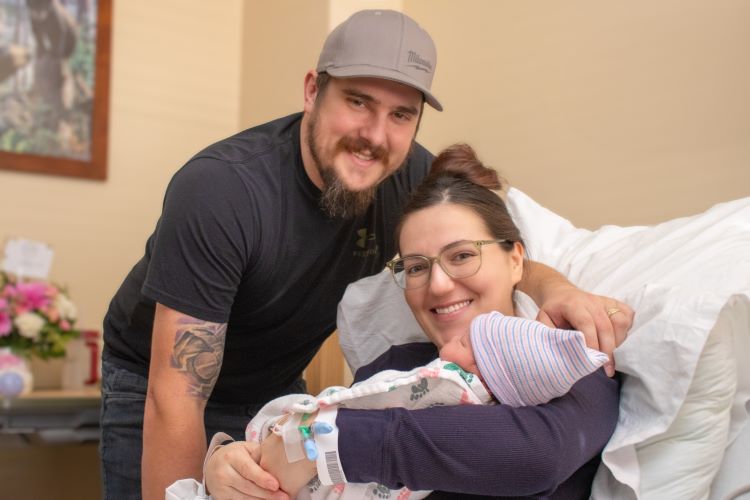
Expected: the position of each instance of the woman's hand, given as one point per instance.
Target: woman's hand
(293, 477)
(232, 473)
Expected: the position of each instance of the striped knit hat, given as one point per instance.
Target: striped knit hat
(524, 362)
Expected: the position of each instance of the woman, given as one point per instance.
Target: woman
(550, 450)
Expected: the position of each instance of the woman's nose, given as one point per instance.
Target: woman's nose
(440, 281)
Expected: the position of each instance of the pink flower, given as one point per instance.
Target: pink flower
(52, 314)
(35, 317)
(5, 321)
(30, 296)
(9, 360)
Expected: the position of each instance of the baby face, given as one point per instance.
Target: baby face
(458, 350)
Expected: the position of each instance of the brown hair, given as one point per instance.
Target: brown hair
(321, 82)
(457, 176)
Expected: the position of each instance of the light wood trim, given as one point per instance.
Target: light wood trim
(327, 367)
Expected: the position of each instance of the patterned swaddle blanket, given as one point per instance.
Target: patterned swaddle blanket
(437, 383)
(523, 361)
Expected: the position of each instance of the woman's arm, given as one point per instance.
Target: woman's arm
(486, 450)
(491, 450)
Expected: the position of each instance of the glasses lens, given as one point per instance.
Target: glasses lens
(462, 260)
(411, 272)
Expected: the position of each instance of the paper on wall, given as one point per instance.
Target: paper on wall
(28, 258)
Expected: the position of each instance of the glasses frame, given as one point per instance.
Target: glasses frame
(391, 264)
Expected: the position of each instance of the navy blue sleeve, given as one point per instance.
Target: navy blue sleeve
(484, 450)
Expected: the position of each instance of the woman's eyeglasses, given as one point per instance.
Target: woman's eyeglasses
(459, 260)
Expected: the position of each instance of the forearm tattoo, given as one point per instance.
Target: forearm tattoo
(198, 352)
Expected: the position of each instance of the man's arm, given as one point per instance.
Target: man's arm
(604, 321)
(186, 355)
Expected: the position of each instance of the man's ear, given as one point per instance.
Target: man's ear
(311, 90)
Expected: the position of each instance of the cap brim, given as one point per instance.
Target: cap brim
(364, 70)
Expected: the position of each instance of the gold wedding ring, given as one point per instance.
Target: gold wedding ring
(612, 310)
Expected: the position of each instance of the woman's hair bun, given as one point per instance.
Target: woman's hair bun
(460, 161)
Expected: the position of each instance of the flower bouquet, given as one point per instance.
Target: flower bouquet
(36, 318)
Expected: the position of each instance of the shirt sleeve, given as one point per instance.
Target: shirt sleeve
(201, 245)
(484, 450)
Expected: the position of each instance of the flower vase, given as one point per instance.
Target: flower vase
(15, 376)
(47, 373)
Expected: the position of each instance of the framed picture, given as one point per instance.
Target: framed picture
(54, 86)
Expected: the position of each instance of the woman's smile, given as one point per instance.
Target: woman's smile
(450, 309)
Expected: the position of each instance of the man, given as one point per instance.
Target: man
(258, 238)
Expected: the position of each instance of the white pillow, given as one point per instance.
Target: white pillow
(372, 316)
(678, 275)
(693, 445)
(677, 394)
(701, 263)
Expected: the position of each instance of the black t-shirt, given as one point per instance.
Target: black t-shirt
(242, 240)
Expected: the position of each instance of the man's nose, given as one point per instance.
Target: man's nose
(374, 129)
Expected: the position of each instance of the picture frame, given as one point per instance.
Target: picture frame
(57, 94)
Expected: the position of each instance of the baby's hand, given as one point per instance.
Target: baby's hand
(292, 476)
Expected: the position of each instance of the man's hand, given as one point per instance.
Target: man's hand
(232, 473)
(603, 321)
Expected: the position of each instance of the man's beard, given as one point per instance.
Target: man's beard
(336, 200)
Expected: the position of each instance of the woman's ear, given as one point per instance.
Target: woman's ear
(516, 262)
(311, 90)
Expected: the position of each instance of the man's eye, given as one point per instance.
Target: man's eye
(402, 117)
(357, 103)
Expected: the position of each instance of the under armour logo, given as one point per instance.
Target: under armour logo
(363, 242)
(364, 238)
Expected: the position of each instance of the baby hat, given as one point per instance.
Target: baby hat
(524, 362)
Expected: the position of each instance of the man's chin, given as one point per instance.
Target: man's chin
(339, 202)
(358, 184)
(360, 187)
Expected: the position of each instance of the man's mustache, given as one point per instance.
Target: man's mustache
(360, 143)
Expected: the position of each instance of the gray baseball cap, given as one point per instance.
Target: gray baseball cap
(382, 44)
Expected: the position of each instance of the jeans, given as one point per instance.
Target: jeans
(121, 445)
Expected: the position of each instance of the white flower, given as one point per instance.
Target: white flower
(66, 307)
(29, 325)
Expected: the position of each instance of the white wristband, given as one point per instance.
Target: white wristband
(328, 464)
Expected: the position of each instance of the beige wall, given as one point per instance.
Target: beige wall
(625, 113)
(175, 88)
(620, 112)
(281, 41)
(605, 111)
